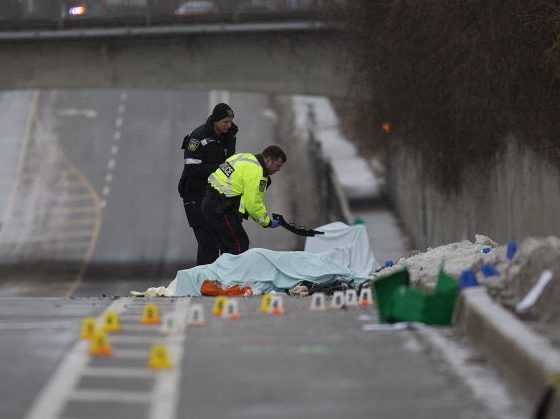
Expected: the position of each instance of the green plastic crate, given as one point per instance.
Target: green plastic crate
(442, 302)
(407, 303)
(384, 287)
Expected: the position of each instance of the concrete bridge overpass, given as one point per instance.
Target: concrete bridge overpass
(304, 57)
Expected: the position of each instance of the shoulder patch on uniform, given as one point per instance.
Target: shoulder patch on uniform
(226, 168)
(193, 144)
(262, 185)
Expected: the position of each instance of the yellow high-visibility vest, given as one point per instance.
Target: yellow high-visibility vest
(242, 175)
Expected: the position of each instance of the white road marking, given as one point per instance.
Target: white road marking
(225, 96)
(118, 338)
(37, 325)
(88, 113)
(106, 190)
(112, 395)
(166, 389)
(483, 383)
(72, 210)
(215, 97)
(51, 401)
(21, 160)
(130, 353)
(117, 135)
(69, 234)
(62, 386)
(141, 327)
(212, 100)
(118, 372)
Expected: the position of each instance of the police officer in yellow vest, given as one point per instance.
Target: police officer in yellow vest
(240, 181)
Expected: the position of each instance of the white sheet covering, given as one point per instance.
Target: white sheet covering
(343, 251)
(348, 245)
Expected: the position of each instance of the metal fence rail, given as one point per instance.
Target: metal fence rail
(61, 14)
(329, 189)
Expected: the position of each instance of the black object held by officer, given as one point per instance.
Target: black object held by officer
(205, 149)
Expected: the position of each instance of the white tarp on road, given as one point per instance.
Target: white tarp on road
(343, 251)
(348, 245)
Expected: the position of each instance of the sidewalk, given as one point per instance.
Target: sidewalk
(355, 176)
(387, 239)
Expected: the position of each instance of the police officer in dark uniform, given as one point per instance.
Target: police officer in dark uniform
(205, 149)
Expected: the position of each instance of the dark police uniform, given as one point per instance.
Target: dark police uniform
(204, 152)
(241, 180)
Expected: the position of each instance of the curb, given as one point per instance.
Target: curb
(524, 357)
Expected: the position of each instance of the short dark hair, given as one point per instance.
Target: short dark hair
(274, 152)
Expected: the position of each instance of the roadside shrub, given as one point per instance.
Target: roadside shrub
(455, 77)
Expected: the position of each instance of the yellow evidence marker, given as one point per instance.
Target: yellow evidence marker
(111, 323)
(265, 303)
(219, 305)
(88, 328)
(100, 345)
(159, 357)
(150, 315)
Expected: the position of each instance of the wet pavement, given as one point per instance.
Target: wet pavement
(299, 364)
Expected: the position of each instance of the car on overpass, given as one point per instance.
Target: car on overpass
(196, 8)
(80, 9)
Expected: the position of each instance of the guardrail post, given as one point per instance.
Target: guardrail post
(60, 12)
(149, 11)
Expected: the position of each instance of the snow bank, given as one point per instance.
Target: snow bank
(516, 276)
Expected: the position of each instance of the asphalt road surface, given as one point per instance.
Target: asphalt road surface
(95, 209)
(301, 364)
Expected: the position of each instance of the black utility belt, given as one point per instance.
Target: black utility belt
(224, 203)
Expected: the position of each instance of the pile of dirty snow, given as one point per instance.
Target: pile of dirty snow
(513, 280)
(424, 267)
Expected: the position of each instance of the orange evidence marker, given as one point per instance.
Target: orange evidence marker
(159, 358)
(231, 310)
(150, 315)
(100, 345)
(365, 297)
(276, 305)
(111, 323)
(88, 328)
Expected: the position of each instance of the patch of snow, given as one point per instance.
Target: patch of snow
(352, 170)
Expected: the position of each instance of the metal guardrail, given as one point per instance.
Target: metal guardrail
(65, 14)
(328, 186)
(143, 31)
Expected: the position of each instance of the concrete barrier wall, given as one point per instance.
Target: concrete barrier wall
(518, 197)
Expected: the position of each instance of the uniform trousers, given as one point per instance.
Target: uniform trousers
(206, 238)
(222, 214)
